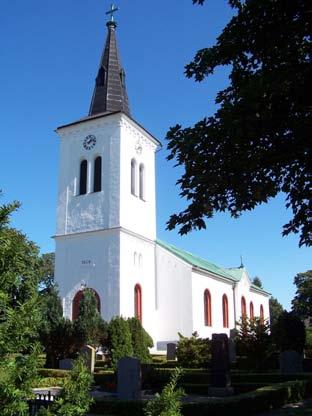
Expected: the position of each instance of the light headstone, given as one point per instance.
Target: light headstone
(88, 353)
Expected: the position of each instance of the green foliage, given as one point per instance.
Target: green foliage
(257, 282)
(20, 268)
(75, 399)
(119, 340)
(193, 351)
(289, 332)
(168, 402)
(90, 323)
(258, 142)
(61, 340)
(254, 342)
(47, 281)
(141, 340)
(308, 343)
(302, 302)
(276, 309)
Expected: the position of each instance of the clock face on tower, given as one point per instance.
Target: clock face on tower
(89, 142)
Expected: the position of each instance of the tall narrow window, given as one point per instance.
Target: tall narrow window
(138, 302)
(97, 183)
(83, 177)
(207, 308)
(133, 176)
(142, 181)
(251, 311)
(225, 310)
(261, 314)
(243, 307)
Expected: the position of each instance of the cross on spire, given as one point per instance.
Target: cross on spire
(111, 12)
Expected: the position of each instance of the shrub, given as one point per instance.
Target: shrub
(74, 399)
(141, 340)
(308, 344)
(289, 332)
(193, 351)
(254, 342)
(119, 340)
(168, 403)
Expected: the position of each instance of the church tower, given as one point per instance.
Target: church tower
(106, 220)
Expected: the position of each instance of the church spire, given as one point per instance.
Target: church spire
(110, 92)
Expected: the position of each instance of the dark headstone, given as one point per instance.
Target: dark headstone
(232, 348)
(220, 366)
(171, 351)
(66, 364)
(290, 362)
(129, 379)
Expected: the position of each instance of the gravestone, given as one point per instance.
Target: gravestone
(290, 362)
(232, 348)
(88, 353)
(66, 364)
(129, 379)
(171, 351)
(220, 367)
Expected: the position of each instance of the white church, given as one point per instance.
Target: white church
(106, 228)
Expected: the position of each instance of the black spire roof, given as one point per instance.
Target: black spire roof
(110, 94)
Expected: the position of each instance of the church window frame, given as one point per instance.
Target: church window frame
(83, 177)
(251, 310)
(243, 307)
(225, 311)
(207, 308)
(77, 300)
(138, 302)
(97, 174)
(142, 181)
(133, 177)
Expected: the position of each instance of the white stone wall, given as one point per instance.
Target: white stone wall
(217, 288)
(173, 296)
(93, 259)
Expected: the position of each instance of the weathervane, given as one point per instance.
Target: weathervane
(111, 12)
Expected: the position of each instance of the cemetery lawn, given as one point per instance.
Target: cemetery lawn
(298, 409)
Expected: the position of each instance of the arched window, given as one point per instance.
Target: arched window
(77, 300)
(225, 310)
(133, 177)
(97, 183)
(251, 311)
(243, 307)
(142, 181)
(83, 177)
(207, 308)
(138, 302)
(261, 314)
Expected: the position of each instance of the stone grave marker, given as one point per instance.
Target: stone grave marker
(290, 362)
(66, 364)
(88, 353)
(129, 379)
(232, 348)
(220, 367)
(171, 351)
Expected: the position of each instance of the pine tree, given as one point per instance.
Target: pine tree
(119, 340)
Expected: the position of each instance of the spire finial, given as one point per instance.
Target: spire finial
(111, 12)
(242, 264)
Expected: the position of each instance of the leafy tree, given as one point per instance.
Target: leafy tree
(257, 282)
(168, 402)
(75, 399)
(193, 351)
(90, 323)
(47, 281)
(254, 342)
(20, 268)
(308, 344)
(276, 309)
(119, 340)
(141, 340)
(258, 142)
(289, 332)
(51, 308)
(302, 302)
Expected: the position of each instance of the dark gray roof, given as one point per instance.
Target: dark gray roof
(110, 93)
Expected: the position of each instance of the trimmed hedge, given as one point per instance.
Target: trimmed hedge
(51, 372)
(247, 404)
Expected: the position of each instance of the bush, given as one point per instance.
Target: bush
(119, 340)
(289, 332)
(193, 351)
(141, 340)
(308, 344)
(168, 403)
(51, 372)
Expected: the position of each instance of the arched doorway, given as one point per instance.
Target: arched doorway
(77, 300)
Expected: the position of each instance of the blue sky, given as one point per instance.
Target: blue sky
(50, 54)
